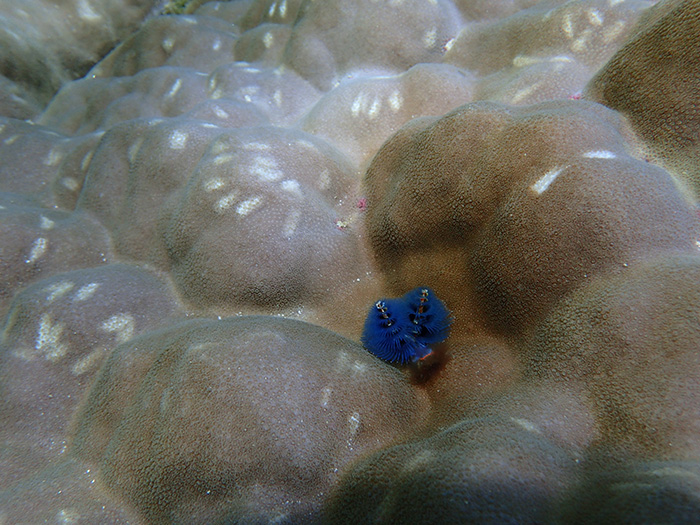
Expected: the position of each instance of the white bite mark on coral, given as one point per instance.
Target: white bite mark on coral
(543, 183)
(86, 160)
(358, 367)
(175, 88)
(292, 186)
(613, 31)
(53, 158)
(395, 3)
(421, 458)
(220, 113)
(357, 104)
(268, 40)
(697, 243)
(86, 291)
(527, 425)
(57, 290)
(134, 150)
(599, 154)
(253, 70)
(217, 94)
(2, 128)
(560, 58)
(283, 8)
(213, 184)
(223, 158)
(272, 9)
(324, 180)
(188, 19)
(38, 249)
(225, 202)
(245, 207)
(168, 44)
(524, 60)
(291, 223)
(70, 183)
(429, 38)
(178, 139)
(326, 396)
(395, 100)
(433, 2)
(48, 339)
(247, 92)
(45, 223)
(361, 104)
(86, 12)
(374, 109)
(581, 42)
(256, 146)
(265, 169)
(353, 425)
(612, 3)
(277, 97)
(121, 325)
(208, 125)
(342, 362)
(10, 140)
(525, 92)
(567, 25)
(216, 45)
(89, 362)
(595, 17)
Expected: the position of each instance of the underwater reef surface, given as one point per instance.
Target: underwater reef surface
(192, 234)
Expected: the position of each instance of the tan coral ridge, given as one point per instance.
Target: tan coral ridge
(177, 190)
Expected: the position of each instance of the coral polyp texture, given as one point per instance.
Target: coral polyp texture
(201, 203)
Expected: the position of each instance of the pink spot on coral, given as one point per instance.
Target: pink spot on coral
(362, 204)
(575, 96)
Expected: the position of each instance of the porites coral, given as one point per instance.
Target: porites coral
(365, 148)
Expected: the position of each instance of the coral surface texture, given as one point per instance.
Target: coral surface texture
(201, 201)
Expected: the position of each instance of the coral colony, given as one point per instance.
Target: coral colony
(235, 236)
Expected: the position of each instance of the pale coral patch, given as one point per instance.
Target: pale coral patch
(86, 291)
(543, 183)
(56, 290)
(225, 202)
(37, 250)
(247, 206)
(122, 325)
(178, 139)
(46, 224)
(48, 340)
